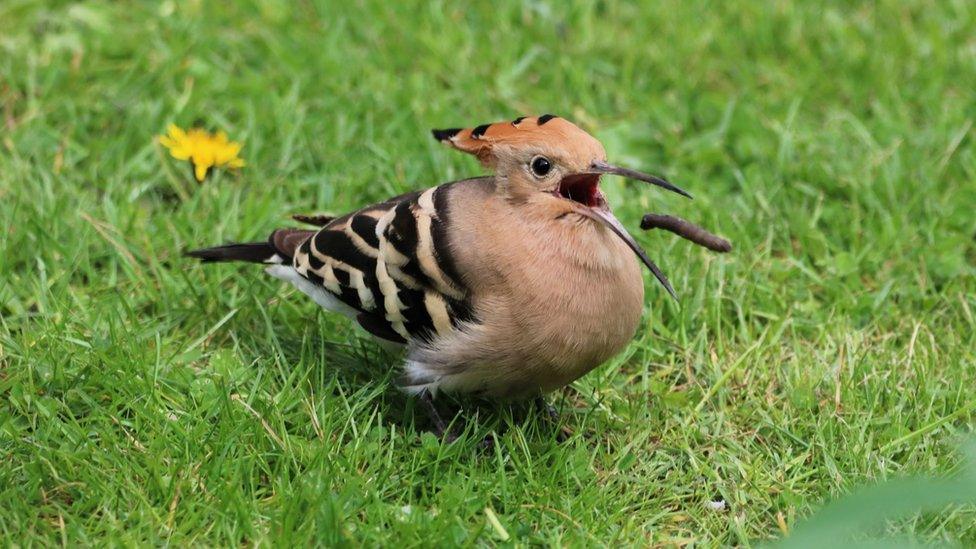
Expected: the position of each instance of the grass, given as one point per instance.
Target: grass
(148, 400)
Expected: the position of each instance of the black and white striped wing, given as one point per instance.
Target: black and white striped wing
(391, 263)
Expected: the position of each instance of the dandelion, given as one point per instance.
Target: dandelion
(203, 149)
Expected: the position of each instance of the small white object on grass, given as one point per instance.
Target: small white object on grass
(717, 505)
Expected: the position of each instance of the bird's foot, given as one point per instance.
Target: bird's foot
(488, 443)
(552, 417)
(551, 413)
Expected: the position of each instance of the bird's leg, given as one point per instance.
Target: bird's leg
(441, 427)
(552, 417)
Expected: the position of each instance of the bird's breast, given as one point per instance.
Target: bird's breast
(555, 295)
(594, 306)
(573, 298)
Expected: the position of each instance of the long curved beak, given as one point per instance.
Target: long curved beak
(604, 217)
(604, 168)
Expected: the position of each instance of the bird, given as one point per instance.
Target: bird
(504, 286)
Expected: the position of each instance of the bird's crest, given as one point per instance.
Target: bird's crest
(525, 131)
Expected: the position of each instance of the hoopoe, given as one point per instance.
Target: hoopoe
(509, 285)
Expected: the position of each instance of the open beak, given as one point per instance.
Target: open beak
(604, 168)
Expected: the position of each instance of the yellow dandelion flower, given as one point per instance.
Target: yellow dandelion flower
(203, 149)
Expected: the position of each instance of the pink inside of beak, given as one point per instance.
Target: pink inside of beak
(583, 188)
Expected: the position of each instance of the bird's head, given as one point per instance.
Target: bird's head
(551, 155)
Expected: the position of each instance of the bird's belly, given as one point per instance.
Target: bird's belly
(557, 337)
(582, 343)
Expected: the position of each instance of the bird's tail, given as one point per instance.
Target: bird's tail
(279, 248)
(253, 252)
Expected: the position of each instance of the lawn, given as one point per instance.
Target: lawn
(145, 399)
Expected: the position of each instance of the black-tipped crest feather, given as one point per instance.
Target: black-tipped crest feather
(445, 134)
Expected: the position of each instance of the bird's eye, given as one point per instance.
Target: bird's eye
(541, 166)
